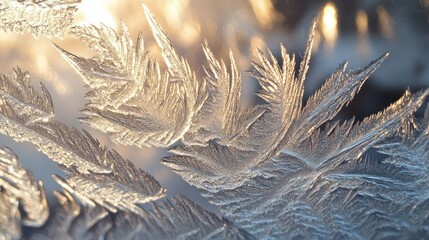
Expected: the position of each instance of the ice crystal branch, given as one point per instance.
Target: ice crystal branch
(280, 169)
(222, 117)
(302, 180)
(39, 17)
(409, 151)
(138, 105)
(178, 218)
(94, 172)
(19, 190)
(129, 98)
(10, 222)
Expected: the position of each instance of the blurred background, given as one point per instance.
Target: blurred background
(356, 30)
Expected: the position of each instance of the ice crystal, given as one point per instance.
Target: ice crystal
(39, 17)
(293, 174)
(281, 169)
(222, 116)
(19, 190)
(10, 221)
(130, 99)
(178, 218)
(96, 173)
(137, 105)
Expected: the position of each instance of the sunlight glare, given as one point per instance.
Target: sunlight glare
(96, 12)
(330, 23)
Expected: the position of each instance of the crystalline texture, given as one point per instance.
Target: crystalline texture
(39, 17)
(282, 169)
(94, 172)
(129, 98)
(19, 190)
(221, 117)
(137, 105)
(178, 218)
(10, 218)
(409, 150)
(23, 202)
(297, 180)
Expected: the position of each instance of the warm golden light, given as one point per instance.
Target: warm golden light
(255, 43)
(362, 28)
(362, 22)
(61, 88)
(265, 12)
(316, 42)
(42, 63)
(174, 12)
(7, 40)
(191, 32)
(49, 74)
(96, 12)
(330, 23)
(386, 22)
(187, 29)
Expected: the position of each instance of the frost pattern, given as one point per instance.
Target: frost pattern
(409, 151)
(301, 176)
(178, 218)
(222, 116)
(94, 172)
(39, 17)
(132, 101)
(10, 224)
(283, 169)
(19, 189)
(129, 98)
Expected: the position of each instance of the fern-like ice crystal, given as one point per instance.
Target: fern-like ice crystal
(281, 169)
(23, 203)
(138, 105)
(129, 97)
(96, 173)
(19, 190)
(291, 172)
(178, 218)
(39, 17)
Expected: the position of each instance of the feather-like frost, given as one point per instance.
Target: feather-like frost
(23, 202)
(10, 218)
(136, 104)
(39, 17)
(409, 151)
(129, 97)
(306, 177)
(178, 218)
(96, 173)
(19, 190)
(279, 170)
(222, 117)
